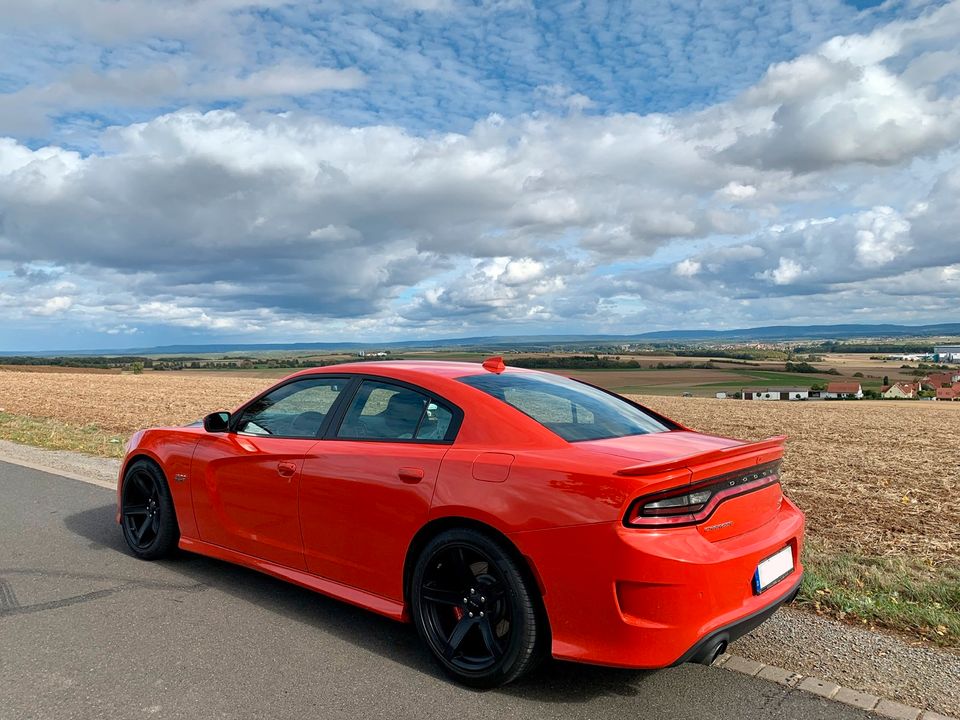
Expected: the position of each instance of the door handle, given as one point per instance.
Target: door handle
(410, 474)
(286, 469)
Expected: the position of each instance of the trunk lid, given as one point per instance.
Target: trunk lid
(690, 458)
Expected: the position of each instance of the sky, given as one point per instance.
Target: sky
(271, 171)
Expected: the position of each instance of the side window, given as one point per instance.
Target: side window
(381, 411)
(297, 409)
(435, 423)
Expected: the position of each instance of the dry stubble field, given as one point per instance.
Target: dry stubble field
(878, 480)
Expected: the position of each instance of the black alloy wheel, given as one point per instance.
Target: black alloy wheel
(474, 609)
(146, 512)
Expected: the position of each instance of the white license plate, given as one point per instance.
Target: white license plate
(773, 569)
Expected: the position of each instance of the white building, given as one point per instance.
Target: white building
(777, 394)
(947, 353)
(843, 391)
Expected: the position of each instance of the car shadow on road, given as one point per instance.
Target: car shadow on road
(553, 681)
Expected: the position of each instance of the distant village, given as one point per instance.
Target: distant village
(942, 386)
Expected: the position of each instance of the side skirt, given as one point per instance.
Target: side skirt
(368, 601)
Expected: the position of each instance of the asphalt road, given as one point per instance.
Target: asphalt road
(88, 631)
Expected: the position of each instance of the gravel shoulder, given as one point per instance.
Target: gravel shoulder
(99, 471)
(880, 663)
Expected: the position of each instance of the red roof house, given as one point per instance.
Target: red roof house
(950, 393)
(844, 390)
(939, 380)
(900, 390)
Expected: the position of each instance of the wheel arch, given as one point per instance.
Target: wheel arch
(149, 457)
(141, 454)
(438, 525)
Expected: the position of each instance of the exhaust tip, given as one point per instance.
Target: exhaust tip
(718, 651)
(710, 653)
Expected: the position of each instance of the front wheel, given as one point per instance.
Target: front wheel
(475, 609)
(146, 512)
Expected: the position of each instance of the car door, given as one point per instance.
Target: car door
(366, 488)
(245, 491)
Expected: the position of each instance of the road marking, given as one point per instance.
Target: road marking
(8, 599)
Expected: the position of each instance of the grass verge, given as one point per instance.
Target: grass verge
(57, 435)
(898, 593)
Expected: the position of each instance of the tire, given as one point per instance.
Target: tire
(147, 516)
(475, 609)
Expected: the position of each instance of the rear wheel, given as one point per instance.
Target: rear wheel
(475, 610)
(146, 512)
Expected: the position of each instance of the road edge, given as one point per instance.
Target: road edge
(825, 689)
(50, 470)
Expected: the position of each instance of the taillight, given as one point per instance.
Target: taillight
(693, 504)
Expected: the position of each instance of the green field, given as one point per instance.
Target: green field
(700, 382)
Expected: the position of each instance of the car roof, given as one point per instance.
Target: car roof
(406, 369)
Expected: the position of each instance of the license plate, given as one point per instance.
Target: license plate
(772, 570)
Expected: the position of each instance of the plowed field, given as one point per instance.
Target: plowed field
(873, 477)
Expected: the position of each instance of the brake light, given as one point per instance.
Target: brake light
(692, 504)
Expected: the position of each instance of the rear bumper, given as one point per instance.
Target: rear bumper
(636, 598)
(716, 642)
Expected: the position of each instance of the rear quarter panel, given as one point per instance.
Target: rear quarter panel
(547, 483)
(541, 489)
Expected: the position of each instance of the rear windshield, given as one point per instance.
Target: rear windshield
(572, 410)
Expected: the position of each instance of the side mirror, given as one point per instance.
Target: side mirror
(217, 422)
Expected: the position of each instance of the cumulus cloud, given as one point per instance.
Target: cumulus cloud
(737, 191)
(253, 220)
(687, 268)
(846, 103)
(786, 272)
(508, 289)
(883, 235)
(876, 256)
(195, 197)
(52, 306)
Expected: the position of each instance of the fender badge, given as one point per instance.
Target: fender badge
(179, 477)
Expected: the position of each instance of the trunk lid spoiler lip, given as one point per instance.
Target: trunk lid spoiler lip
(686, 461)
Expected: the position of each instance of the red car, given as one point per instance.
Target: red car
(508, 513)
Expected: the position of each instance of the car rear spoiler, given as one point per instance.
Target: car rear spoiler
(734, 451)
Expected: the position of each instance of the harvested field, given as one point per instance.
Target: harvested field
(875, 477)
(124, 403)
(877, 480)
(57, 369)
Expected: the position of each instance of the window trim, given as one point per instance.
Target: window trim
(336, 420)
(349, 388)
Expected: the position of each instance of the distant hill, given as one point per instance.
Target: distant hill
(531, 342)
